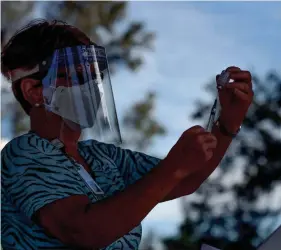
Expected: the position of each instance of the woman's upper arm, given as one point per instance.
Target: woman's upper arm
(63, 217)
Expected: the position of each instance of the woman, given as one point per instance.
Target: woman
(62, 193)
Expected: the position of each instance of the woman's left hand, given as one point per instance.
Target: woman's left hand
(235, 98)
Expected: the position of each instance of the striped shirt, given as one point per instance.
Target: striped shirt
(35, 173)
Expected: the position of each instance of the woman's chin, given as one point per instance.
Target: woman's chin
(73, 126)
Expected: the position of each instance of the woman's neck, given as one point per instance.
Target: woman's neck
(51, 126)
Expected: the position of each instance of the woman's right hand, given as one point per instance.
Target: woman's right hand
(192, 151)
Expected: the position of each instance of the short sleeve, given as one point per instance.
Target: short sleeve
(133, 165)
(33, 179)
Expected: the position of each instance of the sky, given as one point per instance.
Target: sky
(194, 42)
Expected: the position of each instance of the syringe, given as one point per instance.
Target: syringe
(216, 108)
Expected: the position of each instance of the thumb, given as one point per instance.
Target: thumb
(196, 129)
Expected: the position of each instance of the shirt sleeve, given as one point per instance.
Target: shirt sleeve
(33, 179)
(132, 165)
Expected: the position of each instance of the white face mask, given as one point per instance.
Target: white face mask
(79, 103)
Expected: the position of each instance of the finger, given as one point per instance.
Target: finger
(208, 154)
(196, 129)
(229, 69)
(239, 85)
(242, 96)
(206, 137)
(233, 69)
(210, 145)
(210, 138)
(192, 131)
(205, 150)
(224, 77)
(244, 76)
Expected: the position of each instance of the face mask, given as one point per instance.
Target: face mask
(64, 103)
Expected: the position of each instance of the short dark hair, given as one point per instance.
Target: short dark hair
(32, 44)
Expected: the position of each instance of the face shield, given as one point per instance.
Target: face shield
(77, 87)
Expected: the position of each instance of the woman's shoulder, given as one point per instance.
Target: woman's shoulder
(16, 142)
(100, 149)
(28, 142)
(19, 153)
(97, 145)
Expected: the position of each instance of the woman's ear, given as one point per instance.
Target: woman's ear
(31, 93)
